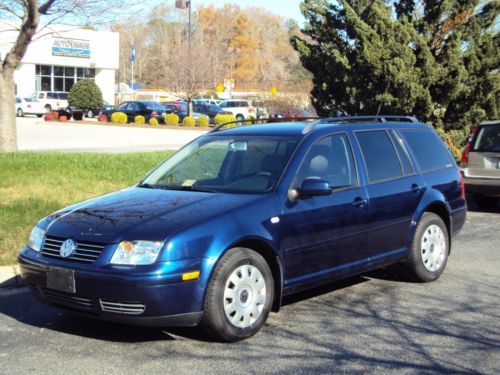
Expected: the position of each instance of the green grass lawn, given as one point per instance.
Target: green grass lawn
(34, 184)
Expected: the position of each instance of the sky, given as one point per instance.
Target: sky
(285, 8)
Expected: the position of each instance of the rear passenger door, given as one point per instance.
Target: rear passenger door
(394, 191)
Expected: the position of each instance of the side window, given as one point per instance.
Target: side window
(329, 159)
(122, 107)
(51, 95)
(429, 150)
(18, 100)
(133, 107)
(381, 160)
(403, 154)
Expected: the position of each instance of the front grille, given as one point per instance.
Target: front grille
(86, 252)
(126, 308)
(69, 300)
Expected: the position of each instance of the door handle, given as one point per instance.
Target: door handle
(359, 202)
(416, 189)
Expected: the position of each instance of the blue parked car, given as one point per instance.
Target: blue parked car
(240, 217)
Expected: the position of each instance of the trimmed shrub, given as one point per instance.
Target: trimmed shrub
(171, 119)
(202, 121)
(188, 121)
(102, 118)
(85, 94)
(221, 119)
(139, 120)
(153, 121)
(250, 120)
(119, 118)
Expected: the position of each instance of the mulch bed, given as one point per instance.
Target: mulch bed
(144, 126)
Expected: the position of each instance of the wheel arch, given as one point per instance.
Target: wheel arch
(267, 251)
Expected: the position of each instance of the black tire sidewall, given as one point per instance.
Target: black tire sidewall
(416, 263)
(215, 320)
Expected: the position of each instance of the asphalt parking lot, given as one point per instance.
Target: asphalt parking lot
(35, 134)
(376, 323)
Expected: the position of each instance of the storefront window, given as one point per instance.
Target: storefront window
(59, 78)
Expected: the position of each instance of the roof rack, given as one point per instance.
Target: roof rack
(371, 119)
(327, 120)
(240, 123)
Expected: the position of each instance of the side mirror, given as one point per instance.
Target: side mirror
(314, 187)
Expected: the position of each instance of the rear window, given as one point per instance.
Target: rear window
(63, 96)
(429, 150)
(488, 139)
(381, 160)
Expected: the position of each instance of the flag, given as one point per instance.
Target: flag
(132, 53)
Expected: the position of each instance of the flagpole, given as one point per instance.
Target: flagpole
(133, 59)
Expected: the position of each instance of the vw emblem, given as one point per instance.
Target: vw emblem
(68, 248)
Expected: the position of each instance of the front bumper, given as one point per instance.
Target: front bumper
(134, 299)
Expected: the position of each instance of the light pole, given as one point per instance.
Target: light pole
(186, 4)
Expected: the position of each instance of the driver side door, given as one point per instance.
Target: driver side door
(325, 236)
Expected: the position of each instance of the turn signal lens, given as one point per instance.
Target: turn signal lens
(191, 275)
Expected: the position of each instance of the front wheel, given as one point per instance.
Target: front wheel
(20, 112)
(90, 114)
(239, 296)
(240, 118)
(429, 249)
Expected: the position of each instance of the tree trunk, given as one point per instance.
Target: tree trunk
(8, 140)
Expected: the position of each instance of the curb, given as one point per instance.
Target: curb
(10, 277)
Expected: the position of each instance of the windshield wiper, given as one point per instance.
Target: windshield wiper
(178, 187)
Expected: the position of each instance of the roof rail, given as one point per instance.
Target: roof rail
(353, 119)
(371, 119)
(241, 123)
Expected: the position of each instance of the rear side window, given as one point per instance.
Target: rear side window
(488, 139)
(429, 150)
(381, 159)
(51, 95)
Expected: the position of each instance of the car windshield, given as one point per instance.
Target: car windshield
(230, 164)
(488, 139)
(153, 106)
(31, 100)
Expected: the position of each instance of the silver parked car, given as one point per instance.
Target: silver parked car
(481, 164)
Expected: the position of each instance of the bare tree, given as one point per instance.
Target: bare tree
(30, 18)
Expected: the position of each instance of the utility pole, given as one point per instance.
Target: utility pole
(186, 4)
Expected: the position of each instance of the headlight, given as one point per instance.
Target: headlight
(36, 238)
(136, 252)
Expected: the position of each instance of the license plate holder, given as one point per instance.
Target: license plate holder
(61, 279)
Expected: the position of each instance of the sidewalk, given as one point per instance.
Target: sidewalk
(9, 277)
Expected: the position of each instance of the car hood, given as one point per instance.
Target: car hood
(139, 214)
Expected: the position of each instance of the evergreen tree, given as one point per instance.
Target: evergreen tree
(436, 59)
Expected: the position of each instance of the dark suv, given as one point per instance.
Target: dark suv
(244, 215)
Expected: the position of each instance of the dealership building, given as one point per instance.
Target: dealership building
(57, 58)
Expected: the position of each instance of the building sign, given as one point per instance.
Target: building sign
(71, 48)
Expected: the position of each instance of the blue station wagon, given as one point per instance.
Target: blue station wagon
(244, 215)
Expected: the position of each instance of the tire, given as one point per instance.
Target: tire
(39, 116)
(239, 296)
(20, 112)
(429, 249)
(48, 108)
(90, 114)
(484, 202)
(240, 118)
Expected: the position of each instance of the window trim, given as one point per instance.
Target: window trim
(368, 182)
(405, 151)
(353, 156)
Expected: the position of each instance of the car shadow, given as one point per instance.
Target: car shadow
(471, 206)
(21, 305)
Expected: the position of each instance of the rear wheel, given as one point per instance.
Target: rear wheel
(429, 249)
(239, 296)
(20, 112)
(90, 114)
(240, 118)
(48, 108)
(484, 202)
